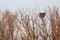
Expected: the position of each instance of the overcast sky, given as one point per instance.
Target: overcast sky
(15, 4)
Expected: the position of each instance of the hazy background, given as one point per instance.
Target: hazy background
(13, 5)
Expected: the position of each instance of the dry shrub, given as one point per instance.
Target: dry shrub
(26, 27)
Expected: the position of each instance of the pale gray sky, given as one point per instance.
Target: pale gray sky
(15, 4)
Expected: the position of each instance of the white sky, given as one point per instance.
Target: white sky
(15, 4)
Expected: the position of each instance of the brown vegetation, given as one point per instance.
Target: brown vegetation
(21, 26)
